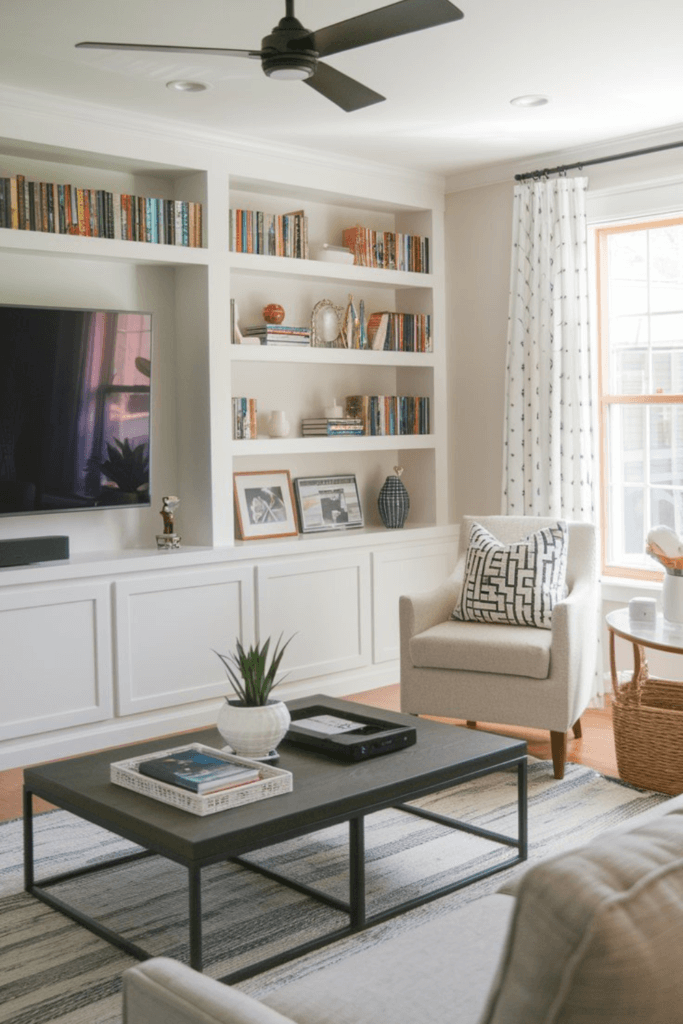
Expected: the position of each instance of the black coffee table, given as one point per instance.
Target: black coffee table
(325, 793)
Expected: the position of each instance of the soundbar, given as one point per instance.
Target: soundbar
(25, 550)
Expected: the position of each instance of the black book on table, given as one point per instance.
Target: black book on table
(197, 771)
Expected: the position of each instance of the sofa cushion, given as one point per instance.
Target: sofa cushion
(597, 934)
(514, 583)
(440, 971)
(481, 647)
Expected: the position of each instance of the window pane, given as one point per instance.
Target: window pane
(667, 509)
(630, 372)
(666, 445)
(627, 444)
(667, 372)
(666, 269)
(627, 255)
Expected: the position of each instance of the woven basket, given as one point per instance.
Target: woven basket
(648, 734)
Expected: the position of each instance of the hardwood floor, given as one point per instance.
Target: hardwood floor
(595, 748)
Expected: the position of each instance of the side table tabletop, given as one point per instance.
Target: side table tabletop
(647, 712)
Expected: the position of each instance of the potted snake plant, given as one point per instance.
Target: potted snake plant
(251, 722)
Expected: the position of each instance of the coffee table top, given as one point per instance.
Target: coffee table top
(325, 791)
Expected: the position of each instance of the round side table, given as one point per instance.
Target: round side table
(647, 713)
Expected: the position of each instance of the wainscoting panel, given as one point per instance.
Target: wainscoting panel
(403, 570)
(167, 627)
(60, 676)
(325, 602)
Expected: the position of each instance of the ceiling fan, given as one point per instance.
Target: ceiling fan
(294, 52)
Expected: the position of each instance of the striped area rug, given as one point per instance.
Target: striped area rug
(53, 970)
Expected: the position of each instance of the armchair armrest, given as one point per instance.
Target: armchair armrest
(418, 612)
(163, 991)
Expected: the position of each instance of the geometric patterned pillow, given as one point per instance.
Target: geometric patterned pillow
(517, 583)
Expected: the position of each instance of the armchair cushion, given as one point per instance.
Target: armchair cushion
(515, 583)
(482, 647)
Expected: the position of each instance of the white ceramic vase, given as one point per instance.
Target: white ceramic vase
(672, 597)
(253, 732)
(278, 424)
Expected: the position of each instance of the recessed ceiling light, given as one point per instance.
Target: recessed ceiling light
(529, 101)
(183, 86)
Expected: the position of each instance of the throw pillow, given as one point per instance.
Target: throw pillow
(518, 584)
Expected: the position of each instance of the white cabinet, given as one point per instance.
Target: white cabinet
(322, 601)
(403, 570)
(167, 627)
(56, 657)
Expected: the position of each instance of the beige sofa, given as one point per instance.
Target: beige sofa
(592, 936)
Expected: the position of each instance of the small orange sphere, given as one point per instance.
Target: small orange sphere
(273, 314)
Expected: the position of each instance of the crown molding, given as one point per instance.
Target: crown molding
(495, 174)
(118, 120)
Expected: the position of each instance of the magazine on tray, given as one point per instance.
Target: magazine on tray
(197, 771)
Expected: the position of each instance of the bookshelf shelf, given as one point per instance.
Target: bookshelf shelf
(253, 263)
(42, 243)
(329, 356)
(320, 445)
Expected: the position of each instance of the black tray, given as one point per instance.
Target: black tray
(371, 737)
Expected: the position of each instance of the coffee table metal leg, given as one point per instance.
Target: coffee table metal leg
(522, 833)
(195, 892)
(28, 840)
(357, 872)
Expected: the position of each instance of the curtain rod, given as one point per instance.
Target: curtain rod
(563, 168)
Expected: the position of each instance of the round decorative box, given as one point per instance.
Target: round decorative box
(273, 314)
(393, 501)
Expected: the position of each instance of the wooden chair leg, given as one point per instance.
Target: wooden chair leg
(471, 725)
(558, 745)
(576, 729)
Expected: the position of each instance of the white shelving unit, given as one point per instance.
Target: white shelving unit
(127, 630)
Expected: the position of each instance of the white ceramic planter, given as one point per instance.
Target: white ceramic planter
(253, 732)
(672, 597)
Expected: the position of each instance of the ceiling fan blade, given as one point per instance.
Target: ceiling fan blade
(385, 23)
(346, 92)
(214, 50)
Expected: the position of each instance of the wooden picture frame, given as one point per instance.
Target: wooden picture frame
(328, 503)
(326, 325)
(264, 504)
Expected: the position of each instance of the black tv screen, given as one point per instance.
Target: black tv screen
(74, 409)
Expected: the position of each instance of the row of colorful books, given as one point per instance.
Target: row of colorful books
(269, 234)
(400, 332)
(325, 426)
(28, 205)
(390, 414)
(278, 334)
(387, 250)
(244, 421)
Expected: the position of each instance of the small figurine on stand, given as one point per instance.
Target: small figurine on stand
(169, 539)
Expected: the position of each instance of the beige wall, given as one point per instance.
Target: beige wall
(478, 240)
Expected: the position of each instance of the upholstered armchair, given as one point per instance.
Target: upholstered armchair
(499, 673)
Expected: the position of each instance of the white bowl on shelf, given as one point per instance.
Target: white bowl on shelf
(335, 254)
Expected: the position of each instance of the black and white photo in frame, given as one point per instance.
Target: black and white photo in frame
(264, 504)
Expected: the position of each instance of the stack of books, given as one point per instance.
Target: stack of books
(388, 250)
(323, 426)
(268, 234)
(66, 210)
(199, 772)
(244, 422)
(279, 334)
(390, 414)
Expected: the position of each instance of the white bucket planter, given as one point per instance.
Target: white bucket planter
(253, 732)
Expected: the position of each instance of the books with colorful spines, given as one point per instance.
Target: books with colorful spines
(324, 427)
(197, 771)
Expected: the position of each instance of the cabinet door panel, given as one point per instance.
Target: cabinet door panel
(60, 675)
(403, 570)
(167, 627)
(324, 601)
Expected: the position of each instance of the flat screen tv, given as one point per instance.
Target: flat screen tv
(74, 409)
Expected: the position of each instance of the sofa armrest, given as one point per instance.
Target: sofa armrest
(163, 991)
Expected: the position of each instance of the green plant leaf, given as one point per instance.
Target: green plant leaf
(249, 673)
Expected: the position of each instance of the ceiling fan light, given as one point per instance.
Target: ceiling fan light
(290, 74)
(289, 66)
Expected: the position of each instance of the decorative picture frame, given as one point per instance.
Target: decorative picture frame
(328, 503)
(326, 325)
(264, 504)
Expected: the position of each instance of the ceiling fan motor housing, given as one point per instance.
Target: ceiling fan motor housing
(281, 54)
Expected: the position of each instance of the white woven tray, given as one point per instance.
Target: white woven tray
(273, 782)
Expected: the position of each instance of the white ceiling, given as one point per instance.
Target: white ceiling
(611, 68)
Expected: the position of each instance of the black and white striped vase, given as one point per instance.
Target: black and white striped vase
(393, 501)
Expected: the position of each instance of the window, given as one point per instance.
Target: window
(640, 316)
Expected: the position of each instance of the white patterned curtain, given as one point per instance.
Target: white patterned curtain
(549, 459)
(548, 463)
